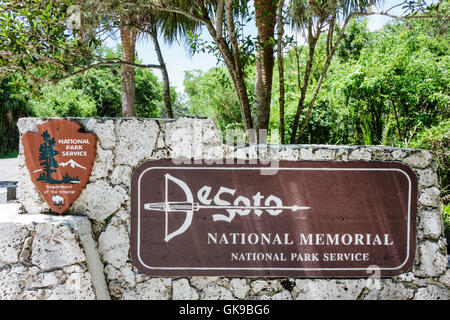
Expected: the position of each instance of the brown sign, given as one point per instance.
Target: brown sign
(309, 219)
(59, 158)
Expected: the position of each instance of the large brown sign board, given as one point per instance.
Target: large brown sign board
(310, 219)
(59, 157)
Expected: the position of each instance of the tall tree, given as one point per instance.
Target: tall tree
(172, 27)
(311, 29)
(165, 75)
(39, 40)
(219, 18)
(281, 99)
(265, 23)
(128, 39)
(331, 18)
(136, 19)
(14, 103)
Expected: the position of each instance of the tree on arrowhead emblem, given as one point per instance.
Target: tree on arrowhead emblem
(47, 153)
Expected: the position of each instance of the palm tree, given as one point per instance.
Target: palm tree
(128, 36)
(281, 98)
(133, 19)
(218, 17)
(153, 32)
(172, 27)
(265, 23)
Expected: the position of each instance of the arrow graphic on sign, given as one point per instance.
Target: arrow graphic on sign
(189, 207)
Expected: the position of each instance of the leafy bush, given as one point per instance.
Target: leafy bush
(103, 85)
(212, 94)
(149, 100)
(437, 139)
(97, 92)
(446, 220)
(62, 100)
(13, 105)
(9, 154)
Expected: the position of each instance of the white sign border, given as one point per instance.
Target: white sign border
(272, 269)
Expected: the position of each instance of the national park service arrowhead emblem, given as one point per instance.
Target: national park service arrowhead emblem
(59, 158)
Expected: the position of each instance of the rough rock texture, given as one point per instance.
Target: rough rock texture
(181, 290)
(12, 237)
(113, 245)
(328, 289)
(431, 258)
(43, 257)
(131, 134)
(55, 247)
(100, 199)
(28, 271)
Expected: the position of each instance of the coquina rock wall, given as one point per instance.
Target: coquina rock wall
(85, 254)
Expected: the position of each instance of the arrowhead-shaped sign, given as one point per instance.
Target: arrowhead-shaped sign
(60, 158)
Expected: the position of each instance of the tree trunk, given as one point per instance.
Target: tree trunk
(397, 120)
(230, 55)
(237, 76)
(313, 100)
(265, 23)
(332, 50)
(128, 39)
(165, 74)
(233, 62)
(244, 103)
(281, 66)
(312, 42)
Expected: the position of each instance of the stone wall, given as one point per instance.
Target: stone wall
(85, 254)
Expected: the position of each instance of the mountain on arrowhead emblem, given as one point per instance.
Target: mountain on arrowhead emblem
(71, 163)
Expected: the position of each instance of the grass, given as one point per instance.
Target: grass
(8, 154)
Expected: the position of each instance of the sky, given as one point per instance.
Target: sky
(178, 59)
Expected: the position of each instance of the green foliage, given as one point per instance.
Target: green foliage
(62, 100)
(383, 87)
(321, 127)
(35, 40)
(437, 139)
(397, 92)
(354, 40)
(397, 80)
(13, 105)
(9, 154)
(97, 92)
(149, 100)
(103, 85)
(386, 87)
(446, 217)
(211, 94)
